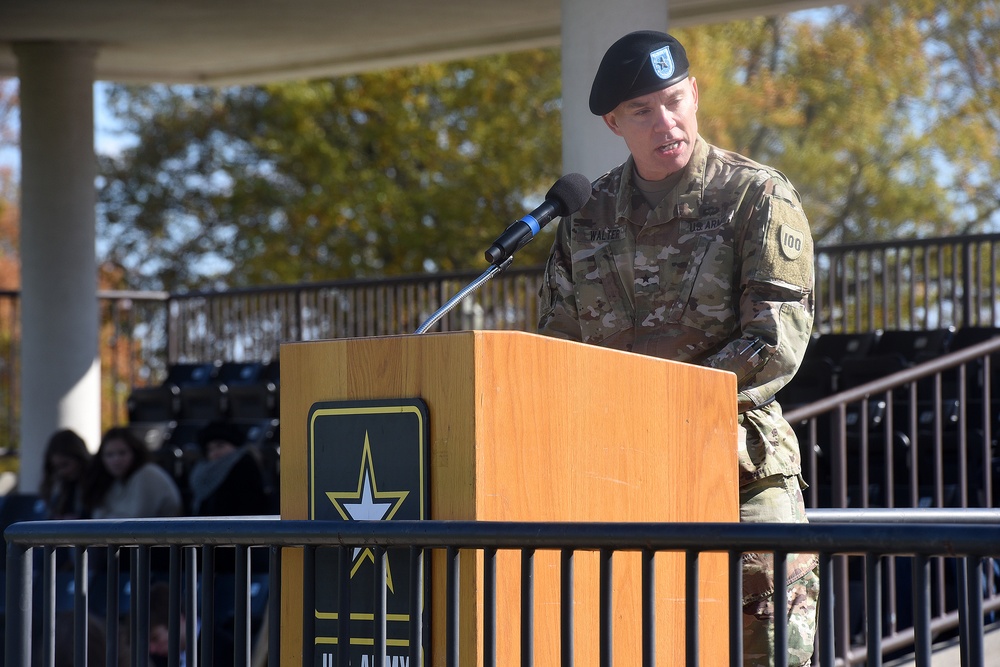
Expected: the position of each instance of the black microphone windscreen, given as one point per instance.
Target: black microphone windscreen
(571, 191)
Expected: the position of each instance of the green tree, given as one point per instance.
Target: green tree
(883, 115)
(401, 171)
(963, 38)
(840, 107)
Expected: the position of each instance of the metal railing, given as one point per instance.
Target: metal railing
(919, 437)
(906, 284)
(909, 441)
(917, 284)
(968, 538)
(249, 324)
(925, 436)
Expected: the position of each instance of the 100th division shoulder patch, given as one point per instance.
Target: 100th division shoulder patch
(792, 241)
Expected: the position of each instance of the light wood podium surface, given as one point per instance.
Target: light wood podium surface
(530, 428)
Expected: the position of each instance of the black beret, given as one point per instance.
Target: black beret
(637, 64)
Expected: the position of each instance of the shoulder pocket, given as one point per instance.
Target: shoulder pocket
(787, 255)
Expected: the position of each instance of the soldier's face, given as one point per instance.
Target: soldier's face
(659, 129)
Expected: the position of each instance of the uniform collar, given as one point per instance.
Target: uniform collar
(684, 201)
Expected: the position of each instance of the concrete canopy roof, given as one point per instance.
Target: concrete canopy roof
(221, 42)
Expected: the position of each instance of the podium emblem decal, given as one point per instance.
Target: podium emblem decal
(367, 461)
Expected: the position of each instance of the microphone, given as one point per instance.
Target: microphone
(565, 197)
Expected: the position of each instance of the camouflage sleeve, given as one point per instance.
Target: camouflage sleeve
(558, 315)
(776, 299)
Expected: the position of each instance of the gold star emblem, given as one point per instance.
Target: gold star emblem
(368, 503)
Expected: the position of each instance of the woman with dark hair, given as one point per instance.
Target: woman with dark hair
(125, 483)
(66, 461)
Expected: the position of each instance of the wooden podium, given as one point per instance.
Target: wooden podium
(529, 428)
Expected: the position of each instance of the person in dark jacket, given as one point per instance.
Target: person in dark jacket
(230, 479)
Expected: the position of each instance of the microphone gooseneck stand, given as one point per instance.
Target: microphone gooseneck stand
(464, 292)
(565, 197)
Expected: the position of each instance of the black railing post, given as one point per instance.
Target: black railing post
(968, 316)
(208, 606)
(241, 606)
(922, 611)
(691, 608)
(566, 598)
(17, 650)
(417, 602)
(171, 333)
(299, 331)
(452, 585)
(379, 598)
(190, 606)
(974, 610)
(81, 598)
(48, 605)
(112, 573)
(735, 608)
(527, 607)
(648, 608)
(873, 607)
(274, 607)
(344, 562)
(174, 593)
(826, 616)
(606, 616)
(139, 606)
(489, 608)
(780, 602)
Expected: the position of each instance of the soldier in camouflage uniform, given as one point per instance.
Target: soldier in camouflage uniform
(696, 254)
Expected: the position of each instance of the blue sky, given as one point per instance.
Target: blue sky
(107, 136)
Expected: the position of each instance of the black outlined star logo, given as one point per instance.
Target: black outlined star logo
(367, 503)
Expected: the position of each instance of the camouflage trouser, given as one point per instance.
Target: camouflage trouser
(779, 499)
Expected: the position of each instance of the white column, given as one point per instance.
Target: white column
(60, 365)
(589, 27)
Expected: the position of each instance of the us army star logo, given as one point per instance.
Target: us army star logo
(367, 460)
(371, 505)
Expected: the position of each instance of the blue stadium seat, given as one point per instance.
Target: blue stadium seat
(163, 403)
(210, 401)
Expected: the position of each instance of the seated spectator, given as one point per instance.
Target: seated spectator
(65, 650)
(159, 626)
(66, 460)
(230, 479)
(123, 482)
